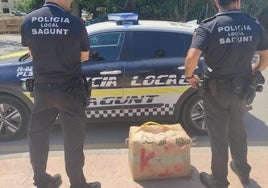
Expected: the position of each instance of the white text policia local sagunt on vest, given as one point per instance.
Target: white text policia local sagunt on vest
(235, 34)
(49, 26)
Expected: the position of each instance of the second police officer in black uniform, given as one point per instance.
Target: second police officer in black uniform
(228, 42)
(58, 43)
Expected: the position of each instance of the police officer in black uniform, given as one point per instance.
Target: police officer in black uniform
(58, 43)
(228, 42)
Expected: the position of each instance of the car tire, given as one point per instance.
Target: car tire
(192, 115)
(14, 118)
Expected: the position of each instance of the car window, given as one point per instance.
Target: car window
(150, 44)
(188, 40)
(107, 45)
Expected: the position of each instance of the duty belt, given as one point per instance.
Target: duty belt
(216, 86)
(220, 83)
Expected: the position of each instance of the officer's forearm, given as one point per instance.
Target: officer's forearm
(191, 61)
(263, 64)
(84, 56)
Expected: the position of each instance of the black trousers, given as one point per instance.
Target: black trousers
(64, 101)
(224, 118)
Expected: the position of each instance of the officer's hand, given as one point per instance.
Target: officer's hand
(194, 81)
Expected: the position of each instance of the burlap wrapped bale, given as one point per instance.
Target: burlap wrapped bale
(159, 151)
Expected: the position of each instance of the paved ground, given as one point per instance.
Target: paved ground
(112, 169)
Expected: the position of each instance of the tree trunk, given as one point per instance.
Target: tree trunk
(75, 9)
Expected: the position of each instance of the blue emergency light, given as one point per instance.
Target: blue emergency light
(124, 18)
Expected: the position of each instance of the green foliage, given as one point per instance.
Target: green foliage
(28, 5)
(176, 10)
(91, 5)
(254, 7)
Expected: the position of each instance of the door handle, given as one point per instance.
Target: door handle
(181, 68)
(113, 72)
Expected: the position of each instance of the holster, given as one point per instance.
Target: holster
(202, 87)
(255, 84)
(237, 85)
(88, 88)
(28, 84)
(249, 95)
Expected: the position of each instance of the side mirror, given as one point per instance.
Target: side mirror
(24, 57)
(94, 56)
(160, 53)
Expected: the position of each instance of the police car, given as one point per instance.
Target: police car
(137, 73)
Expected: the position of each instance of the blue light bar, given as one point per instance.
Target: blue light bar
(123, 17)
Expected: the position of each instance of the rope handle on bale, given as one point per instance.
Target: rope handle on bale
(151, 123)
(148, 127)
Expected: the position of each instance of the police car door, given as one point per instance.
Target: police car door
(106, 72)
(153, 79)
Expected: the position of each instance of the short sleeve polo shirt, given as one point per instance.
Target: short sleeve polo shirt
(55, 39)
(228, 41)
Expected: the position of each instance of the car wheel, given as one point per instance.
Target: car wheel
(14, 118)
(192, 115)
